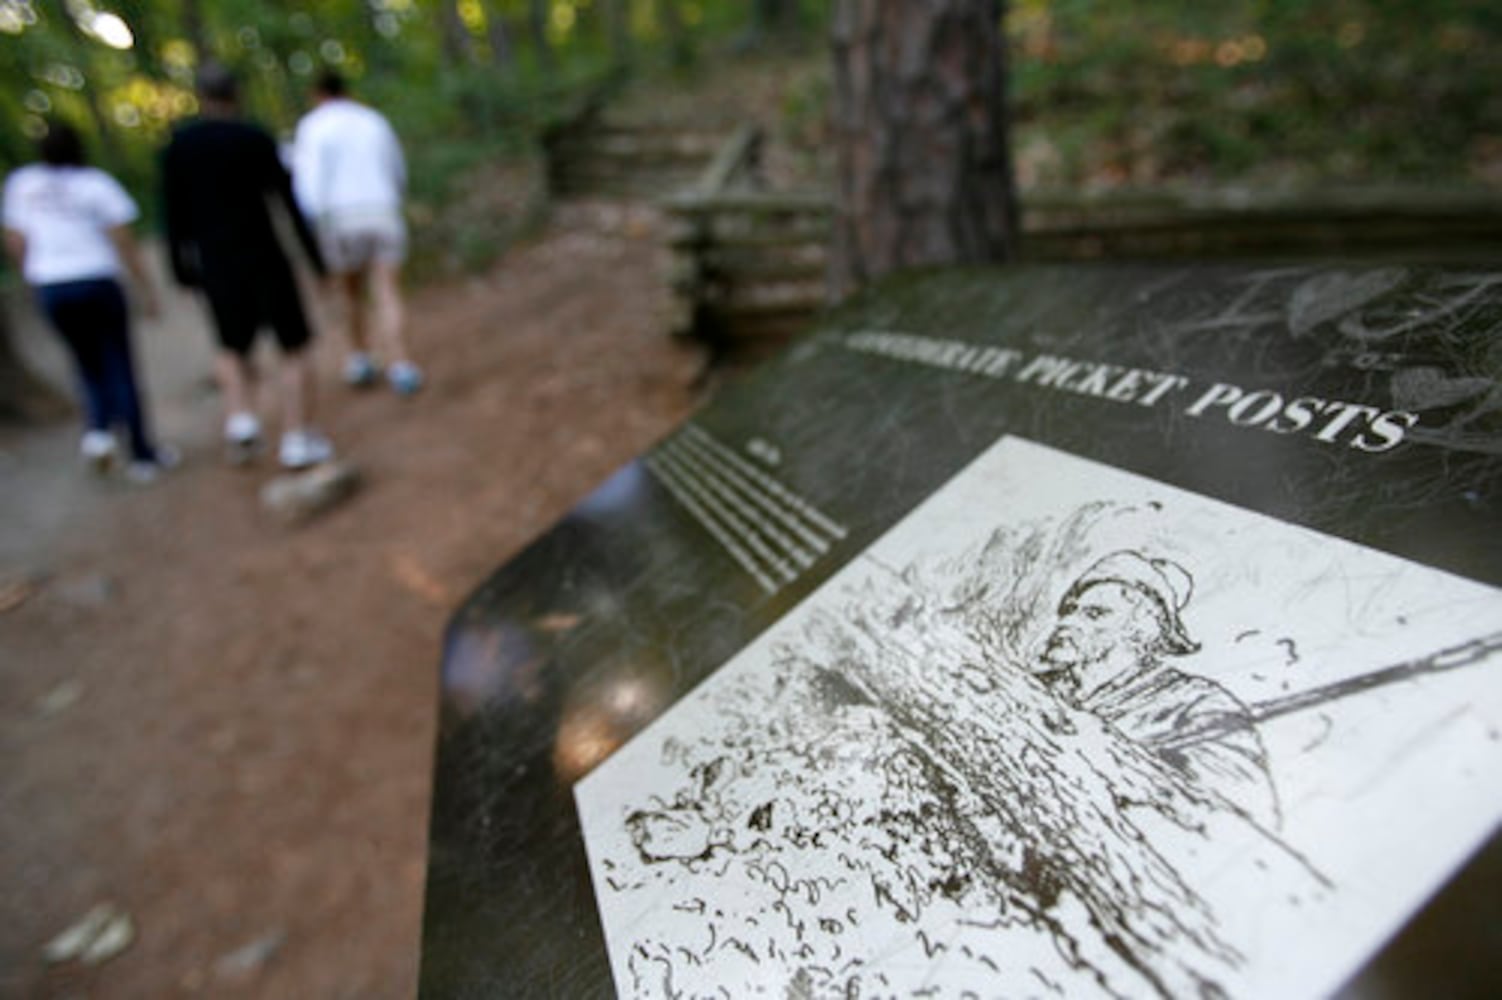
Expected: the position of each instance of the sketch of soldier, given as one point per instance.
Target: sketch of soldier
(1115, 623)
(1033, 787)
(981, 767)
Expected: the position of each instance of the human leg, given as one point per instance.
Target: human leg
(242, 428)
(93, 320)
(390, 317)
(236, 318)
(68, 309)
(118, 375)
(370, 248)
(296, 388)
(390, 312)
(301, 444)
(236, 378)
(360, 369)
(293, 337)
(345, 254)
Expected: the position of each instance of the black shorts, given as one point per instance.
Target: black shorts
(245, 301)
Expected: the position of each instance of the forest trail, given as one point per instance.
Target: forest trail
(224, 726)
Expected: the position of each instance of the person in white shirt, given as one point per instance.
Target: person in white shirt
(349, 177)
(67, 226)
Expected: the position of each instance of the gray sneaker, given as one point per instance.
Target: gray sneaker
(303, 448)
(143, 473)
(360, 370)
(405, 378)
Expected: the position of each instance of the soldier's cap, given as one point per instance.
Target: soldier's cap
(1167, 583)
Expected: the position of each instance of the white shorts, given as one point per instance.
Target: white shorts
(352, 241)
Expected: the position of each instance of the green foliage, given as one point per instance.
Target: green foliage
(466, 83)
(1258, 90)
(1348, 90)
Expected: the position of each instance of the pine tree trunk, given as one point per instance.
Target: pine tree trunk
(537, 28)
(454, 34)
(618, 24)
(924, 169)
(147, 49)
(197, 31)
(671, 18)
(499, 36)
(774, 17)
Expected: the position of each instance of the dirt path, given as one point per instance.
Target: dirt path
(224, 726)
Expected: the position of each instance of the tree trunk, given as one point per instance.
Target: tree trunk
(537, 28)
(147, 30)
(498, 35)
(671, 19)
(618, 24)
(196, 29)
(924, 169)
(774, 17)
(454, 34)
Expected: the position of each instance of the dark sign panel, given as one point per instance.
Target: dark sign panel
(1056, 631)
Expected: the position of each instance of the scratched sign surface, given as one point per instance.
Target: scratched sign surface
(1061, 731)
(1062, 631)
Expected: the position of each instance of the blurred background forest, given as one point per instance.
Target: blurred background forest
(1274, 94)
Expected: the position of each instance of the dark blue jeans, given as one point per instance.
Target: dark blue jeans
(93, 320)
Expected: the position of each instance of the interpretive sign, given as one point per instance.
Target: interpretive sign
(1058, 631)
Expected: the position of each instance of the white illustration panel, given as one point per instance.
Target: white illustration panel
(1063, 731)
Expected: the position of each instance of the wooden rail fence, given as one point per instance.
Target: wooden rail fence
(749, 264)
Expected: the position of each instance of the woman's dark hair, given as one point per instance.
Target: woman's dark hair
(330, 84)
(61, 146)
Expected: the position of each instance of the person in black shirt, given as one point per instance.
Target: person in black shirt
(222, 181)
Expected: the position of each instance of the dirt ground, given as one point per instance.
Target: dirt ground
(224, 726)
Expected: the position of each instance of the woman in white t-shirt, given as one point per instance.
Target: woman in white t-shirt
(67, 227)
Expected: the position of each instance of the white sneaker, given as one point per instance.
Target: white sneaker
(99, 450)
(242, 437)
(303, 448)
(360, 370)
(143, 473)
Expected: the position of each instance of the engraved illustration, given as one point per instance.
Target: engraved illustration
(1116, 623)
(1101, 744)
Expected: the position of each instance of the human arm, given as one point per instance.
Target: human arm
(11, 213)
(113, 210)
(129, 249)
(396, 159)
(307, 162)
(304, 231)
(15, 247)
(182, 248)
(279, 184)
